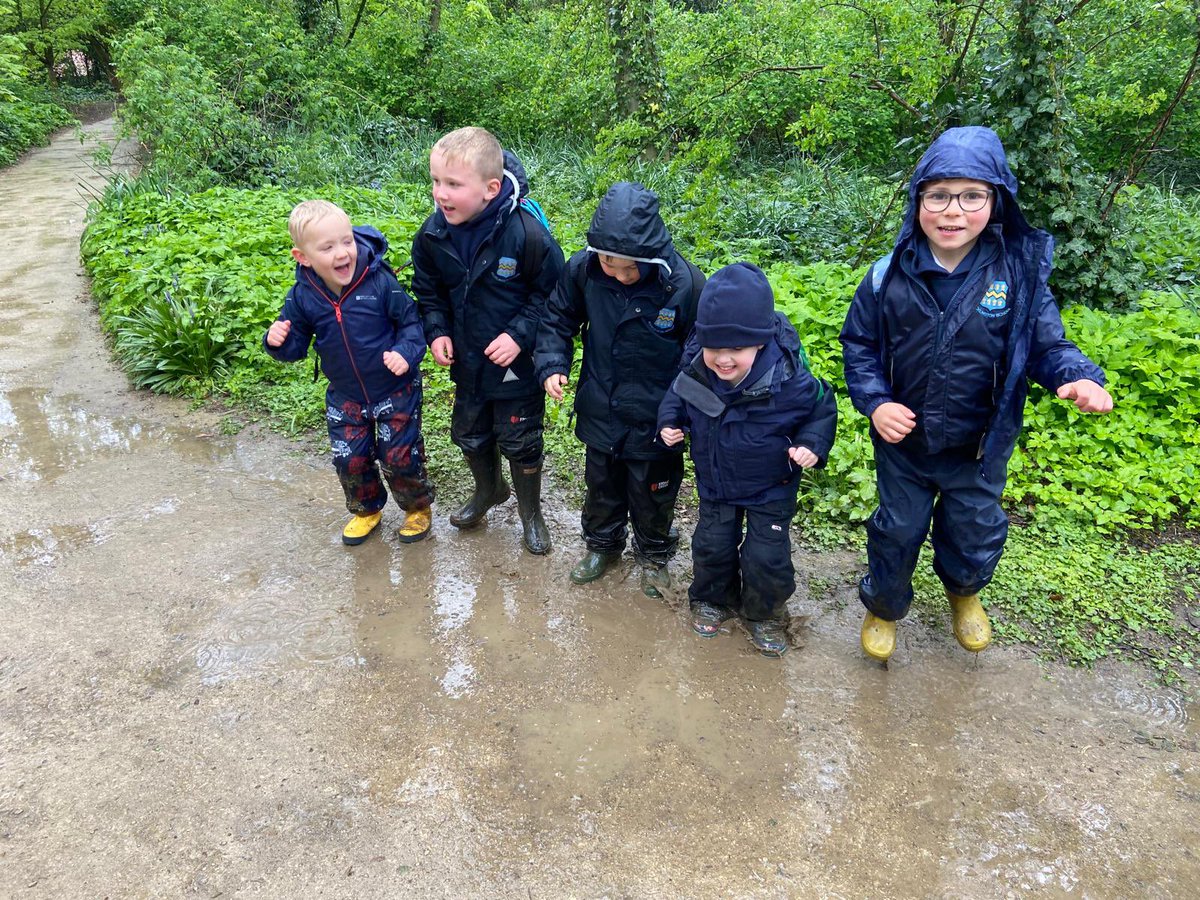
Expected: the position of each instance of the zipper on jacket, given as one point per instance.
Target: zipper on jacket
(337, 312)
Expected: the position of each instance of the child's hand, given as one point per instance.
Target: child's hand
(396, 364)
(1088, 396)
(893, 421)
(671, 436)
(503, 350)
(803, 457)
(554, 386)
(443, 350)
(278, 332)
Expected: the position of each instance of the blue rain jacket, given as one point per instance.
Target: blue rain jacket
(963, 371)
(353, 331)
(740, 439)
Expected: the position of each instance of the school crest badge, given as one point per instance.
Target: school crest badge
(995, 300)
(665, 320)
(506, 267)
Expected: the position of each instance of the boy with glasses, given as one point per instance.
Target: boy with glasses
(939, 342)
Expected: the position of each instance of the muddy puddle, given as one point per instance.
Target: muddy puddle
(203, 693)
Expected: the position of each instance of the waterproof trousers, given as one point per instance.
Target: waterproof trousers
(750, 573)
(384, 435)
(969, 525)
(515, 426)
(640, 490)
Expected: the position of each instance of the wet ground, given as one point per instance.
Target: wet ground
(203, 693)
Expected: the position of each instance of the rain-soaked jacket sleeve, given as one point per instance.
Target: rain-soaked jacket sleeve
(862, 351)
(564, 315)
(819, 426)
(409, 338)
(672, 412)
(523, 327)
(295, 346)
(1054, 360)
(432, 295)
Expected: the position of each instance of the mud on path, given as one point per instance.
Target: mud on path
(203, 693)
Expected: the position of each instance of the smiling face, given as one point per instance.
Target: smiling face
(327, 247)
(952, 232)
(731, 364)
(624, 270)
(460, 192)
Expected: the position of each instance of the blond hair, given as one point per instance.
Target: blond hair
(475, 147)
(307, 213)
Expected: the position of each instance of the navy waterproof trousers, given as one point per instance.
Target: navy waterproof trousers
(969, 525)
(754, 575)
(514, 425)
(640, 490)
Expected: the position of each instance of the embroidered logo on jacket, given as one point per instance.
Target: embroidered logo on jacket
(506, 267)
(995, 300)
(665, 320)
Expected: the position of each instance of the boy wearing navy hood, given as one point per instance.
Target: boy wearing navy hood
(482, 269)
(370, 344)
(634, 299)
(757, 417)
(939, 343)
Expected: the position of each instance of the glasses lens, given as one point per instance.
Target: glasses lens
(973, 200)
(935, 201)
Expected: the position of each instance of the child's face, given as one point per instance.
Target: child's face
(731, 364)
(953, 231)
(328, 248)
(624, 270)
(460, 192)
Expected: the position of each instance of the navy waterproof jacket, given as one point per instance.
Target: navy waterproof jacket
(353, 331)
(963, 371)
(633, 336)
(740, 444)
(474, 301)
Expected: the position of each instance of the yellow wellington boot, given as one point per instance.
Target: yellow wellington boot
(416, 525)
(359, 528)
(971, 625)
(878, 637)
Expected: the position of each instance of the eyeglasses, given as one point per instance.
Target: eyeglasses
(968, 201)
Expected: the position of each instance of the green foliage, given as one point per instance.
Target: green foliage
(1060, 190)
(28, 114)
(1082, 599)
(172, 346)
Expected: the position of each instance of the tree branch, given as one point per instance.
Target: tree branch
(1143, 151)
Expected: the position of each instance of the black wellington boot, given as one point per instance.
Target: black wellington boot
(490, 489)
(527, 482)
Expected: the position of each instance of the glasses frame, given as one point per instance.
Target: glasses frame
(921, 195)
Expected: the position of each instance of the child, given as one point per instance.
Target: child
(757, 417)
(938, 343)
(482, 270)
(634, 298)
(370, 344)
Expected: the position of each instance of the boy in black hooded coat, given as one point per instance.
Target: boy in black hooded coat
(633, 297)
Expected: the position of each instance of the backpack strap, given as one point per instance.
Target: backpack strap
(878, 271)
(697, 281)
(534, 252)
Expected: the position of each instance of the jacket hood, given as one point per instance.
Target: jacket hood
(372, 246)
(627, 224)
(970, 152)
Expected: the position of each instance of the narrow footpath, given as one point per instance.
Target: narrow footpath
(203, 693)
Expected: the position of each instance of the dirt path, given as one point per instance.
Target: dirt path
(202, 693)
